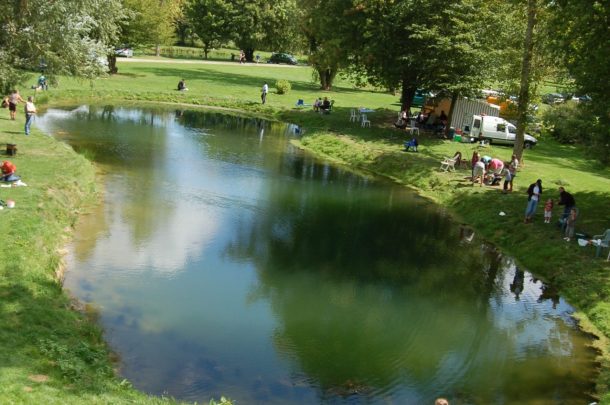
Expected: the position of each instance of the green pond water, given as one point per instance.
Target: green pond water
(225, 261)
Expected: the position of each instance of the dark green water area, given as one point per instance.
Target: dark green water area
(225, 261)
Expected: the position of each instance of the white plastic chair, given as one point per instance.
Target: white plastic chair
(412, 128)
(353, 116)
(448, 164)
(364, 121)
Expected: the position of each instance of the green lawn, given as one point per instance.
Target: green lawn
(581, 278)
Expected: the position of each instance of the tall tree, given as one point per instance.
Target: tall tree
(153, 22)
(411, 45)
(524, 91)
(61, 36)
(322, 24)
(581, 37)
(210, 21)
(263, 23)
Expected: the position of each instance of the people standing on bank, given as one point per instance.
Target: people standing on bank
(567, 200)
(512, 168)
(264, 92)
(534, 191)
(13, 99)
(571, 224)
(548, 211)
(30, 111)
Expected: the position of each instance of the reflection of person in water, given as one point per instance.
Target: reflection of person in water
(549, 293)
(516, 286)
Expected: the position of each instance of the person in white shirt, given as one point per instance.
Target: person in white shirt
(533, 192)
(30, 110)
(264, 92)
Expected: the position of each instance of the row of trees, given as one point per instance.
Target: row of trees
(457, 47)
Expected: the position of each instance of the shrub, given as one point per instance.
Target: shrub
(568, 123)
(283, 86)
(578, 124)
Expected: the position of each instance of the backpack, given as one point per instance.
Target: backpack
(530, 191)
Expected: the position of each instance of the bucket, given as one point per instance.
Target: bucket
(11, 149)
(457, 138)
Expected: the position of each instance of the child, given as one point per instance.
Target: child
(570, 224)
(548, 211)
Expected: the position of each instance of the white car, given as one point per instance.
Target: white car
(125, 52)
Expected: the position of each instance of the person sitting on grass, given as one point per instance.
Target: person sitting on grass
(325, 107)
(403, 120)
(8, 171)
(411, 144)
(182, 85)
(317, 104)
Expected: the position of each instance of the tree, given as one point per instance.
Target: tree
(210, 20)
(524, 92)
(42, 34)
(581, 38)
(321, 25)
(152, 22)
(413, 45)
(263, 23)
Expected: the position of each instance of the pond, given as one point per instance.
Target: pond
(225, 261)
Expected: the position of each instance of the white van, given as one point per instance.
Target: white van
(496, 130)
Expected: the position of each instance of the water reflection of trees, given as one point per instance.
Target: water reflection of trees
(355, 273)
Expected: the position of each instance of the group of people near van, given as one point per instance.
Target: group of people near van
(12, 101)
(488, 170)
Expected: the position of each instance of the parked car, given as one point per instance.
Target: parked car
(279, 57)
(581, 99)
(553, 98)
(126, 52)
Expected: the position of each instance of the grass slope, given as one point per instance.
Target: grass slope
(49, 353)
(582, 279)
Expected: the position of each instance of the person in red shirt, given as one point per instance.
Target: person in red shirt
(8, 171)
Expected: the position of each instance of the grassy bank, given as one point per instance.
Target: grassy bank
(582, 279)
(49, 353)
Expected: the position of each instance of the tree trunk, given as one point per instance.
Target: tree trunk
(206, 50)
(454, 99)
(112, 69)
(406, 96)
(249, 54)
(524, 93)
(327, 75)
(158, 50)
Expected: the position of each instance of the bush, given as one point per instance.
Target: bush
(568, 123)
(579, 124)
(283, 86)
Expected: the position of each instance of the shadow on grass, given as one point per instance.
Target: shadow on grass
(553, 153)
(44, 337)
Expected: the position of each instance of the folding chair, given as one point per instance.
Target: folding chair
(364, 122)
(448, 164)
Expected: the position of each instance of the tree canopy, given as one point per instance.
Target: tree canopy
(69, 37)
